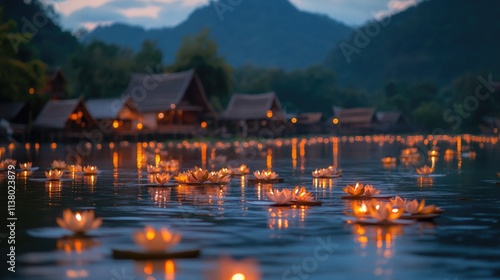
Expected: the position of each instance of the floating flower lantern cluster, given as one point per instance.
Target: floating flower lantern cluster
(265, 175)
(153, 240)
(285, 196)
(241, 170)
(79, 222)
(330, 172)
(203, 176)
(360, 191)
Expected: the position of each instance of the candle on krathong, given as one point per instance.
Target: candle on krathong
(54, 174)
(25, 166)
(384, 213)
(153, 240)
(75, 168)
(59, 164)
(79, 222)
(300, 194)
(90, 170)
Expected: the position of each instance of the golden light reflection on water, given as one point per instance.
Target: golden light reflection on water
(280, 218)
(76, 245)
(160, 196)
(425, 181)
(166, 269)
(53, 188)
(90, 180)
(269, 158)
(294, 153)
(202, 195)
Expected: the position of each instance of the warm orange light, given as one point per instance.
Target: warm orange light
(161, 115)
(203, 125)
(116, 124)
(78, 217)
(172, 106)
(335, 121)
(79, 114)
(32, 91)
(150, 234)
(74, 116)
(238, 276)
(139, 126)
(53, 145)
(294, 120)
(269, 113)
(148, 268)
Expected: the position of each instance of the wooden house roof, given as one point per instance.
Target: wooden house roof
(56, 113)
(109, 108)
(160, 92)
(357, 116)
(310, 118)
(251, 106)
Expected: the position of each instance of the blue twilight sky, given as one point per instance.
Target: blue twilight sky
(159, 13)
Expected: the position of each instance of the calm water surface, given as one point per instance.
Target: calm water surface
(288, 243)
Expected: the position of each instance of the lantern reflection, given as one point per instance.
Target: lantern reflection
(323, 183)
(75, 245)
(425, 181)
(53, 188)
(160, 196)
(164, 269)
(202, 194)
(90, 180)
(283, 217)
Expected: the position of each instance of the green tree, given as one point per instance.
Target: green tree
(200, 53)
(101, 70)
(18, 78)
(148, 59)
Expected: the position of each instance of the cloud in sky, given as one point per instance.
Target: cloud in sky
(160, 13)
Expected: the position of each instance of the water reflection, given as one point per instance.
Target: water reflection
(53, 188)
(76, 245)
(161, 269)
(160, 196)
(425, 181)
(283, 217)
(201, 195)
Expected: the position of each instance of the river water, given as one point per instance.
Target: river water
(311, 242)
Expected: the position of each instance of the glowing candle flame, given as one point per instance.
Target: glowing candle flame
(78, 217)
(238, 276)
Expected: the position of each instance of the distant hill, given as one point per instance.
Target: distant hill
(437, 40)
(49, 42)
(258, 32)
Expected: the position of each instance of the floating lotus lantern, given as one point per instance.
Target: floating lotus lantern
(182, 177)
(54, 174)
(360, 210)
(198, 175)
(300, 194)
(357, 190)
(153, 169)
(371, 191)
(389, 160)
(425, 170)
(79, 222)
(384, 213)
(153, 240)
(90, 170)
(59, 164)
(398, 201)
(4, 164)
(229, 269)
(414, 207)
(265, 175)
(162, 178)
(433, 153)
(25, 166)
(329, 172)
(283, 196)
(220, 177)
(75, 168)
(241, 170)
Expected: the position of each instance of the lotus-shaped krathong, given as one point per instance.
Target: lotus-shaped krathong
(283, 196)
(162, 178)
(414, 207)
(360, 210)
(371, 191)
(54, 174)
(384, 212)
(398, 202)
(241, 170)
(59, 164)
(153, 168)
(425, 170)
(265, 175)
(198, 175)
(4, 164)
(356, 190)
(75, 168)
(220, 177)
(300, 194)
(182, 177)
(153, 240)
(90, 170)
(25, 166)
(331, 171)
(79, 222)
